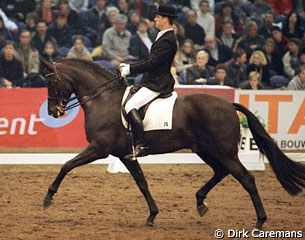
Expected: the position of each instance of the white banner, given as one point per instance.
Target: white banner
(283, 113)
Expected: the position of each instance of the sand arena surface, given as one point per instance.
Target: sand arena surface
(94, 204)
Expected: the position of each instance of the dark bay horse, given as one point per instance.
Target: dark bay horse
(206, 124)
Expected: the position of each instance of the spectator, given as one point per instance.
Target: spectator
(218, 53)
(200, 72)
(142, 7)
(251, 41)
(185, 56)
(79, 50)
(50, 52)
(41, 36)
(44, 11)
(95, 21)
(71, 17)
(116, 41)
(205, 19)
(290, 59)
(265, 29)
(298, 81)
(62, 33)
(280, 40)
(29, 57)
(282, 8)
(227, 37)
(243, 9)
(31, 20)
(133, 21)
(258, 63)
(141, 42)
(11, 70)
(254, 82)
(193, 30)
(221, 76)
(292, 26)
(9, 24)
(79, 5)
(237, 68)
(179, 33)
(5, 34)
(227, 13)
(260, 7)
(123, 7)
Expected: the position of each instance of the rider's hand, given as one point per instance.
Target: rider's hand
(124, 69)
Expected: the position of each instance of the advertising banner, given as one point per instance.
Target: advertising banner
(283, 112)
(24, 121)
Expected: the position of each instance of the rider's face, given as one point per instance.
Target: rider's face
(160, 20)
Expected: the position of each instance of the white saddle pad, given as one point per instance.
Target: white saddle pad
(159, 114)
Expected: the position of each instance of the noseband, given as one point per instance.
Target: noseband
(64, 102)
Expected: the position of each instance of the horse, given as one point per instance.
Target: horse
(208, 125)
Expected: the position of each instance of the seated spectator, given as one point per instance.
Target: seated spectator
(237, 68)
(141, 42)
(251, 41)
(243, 9)
(44, 11)
(9, 24)
(94, 21)
(185, 56)
(133, 21)
(260, 7)
(50, 52)
(200, 73)
(258, 63)
(218, 53)
(5, 34)
(292, 27)
(71, 16)
(227, 37)
(41, 36)
(79, 5)
(193, 30)
(31, 20)
(265, 29)
(142, 7)
(29, 57)
(123, 6)
(282, 8)
(221, 76)
(116, 42)
(205, 19)
(62, 33)
(280, 40)
(79, 50)
(253, 83)
(227, 13)
(179, 33)
(11, 69)
(291, 57)
(298, 81)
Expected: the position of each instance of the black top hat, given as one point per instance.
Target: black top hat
(166, 10)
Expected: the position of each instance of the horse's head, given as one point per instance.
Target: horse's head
(59, 89)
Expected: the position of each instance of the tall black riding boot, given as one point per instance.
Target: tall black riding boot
(135, 121)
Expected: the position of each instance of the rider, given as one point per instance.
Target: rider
(157, 78)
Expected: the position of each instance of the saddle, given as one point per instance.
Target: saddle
(156, 115)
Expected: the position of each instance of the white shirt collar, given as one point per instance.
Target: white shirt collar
(160, 34)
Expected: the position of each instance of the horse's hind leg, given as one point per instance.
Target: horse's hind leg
(247, 180)
(219, 173)
(85, 157)
(137, 173)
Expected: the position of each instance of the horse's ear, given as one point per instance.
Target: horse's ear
(46, 65)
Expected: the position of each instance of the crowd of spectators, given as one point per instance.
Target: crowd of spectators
(247, 44)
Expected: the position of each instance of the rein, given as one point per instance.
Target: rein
(84, 98)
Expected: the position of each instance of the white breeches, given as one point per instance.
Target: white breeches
(140, 98)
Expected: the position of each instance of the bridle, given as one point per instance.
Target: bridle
(85, 98)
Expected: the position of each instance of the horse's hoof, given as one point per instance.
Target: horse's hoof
(47, 202)
(149, 224)
(202, 209)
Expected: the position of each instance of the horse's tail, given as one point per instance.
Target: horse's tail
(290, 174)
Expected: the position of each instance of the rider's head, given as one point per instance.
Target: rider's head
(165, 16)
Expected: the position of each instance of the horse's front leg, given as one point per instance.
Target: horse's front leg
(137, 173)
(87, 156)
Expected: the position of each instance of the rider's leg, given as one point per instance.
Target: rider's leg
(139, 99)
